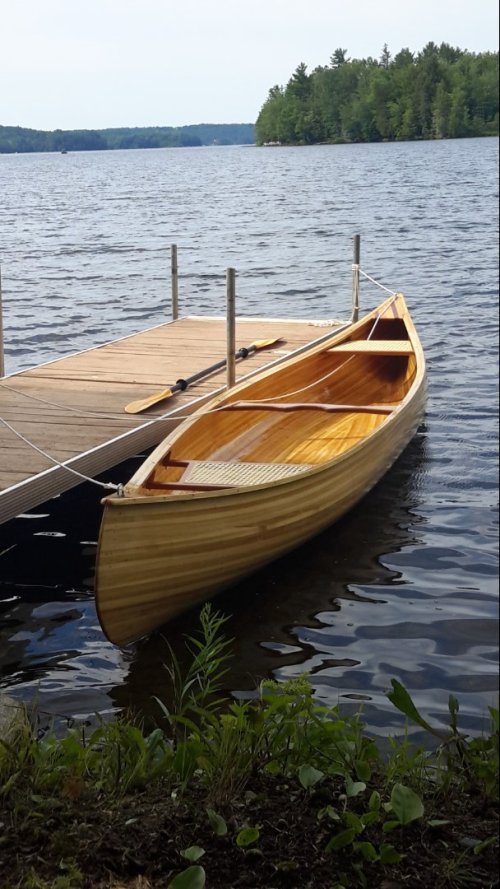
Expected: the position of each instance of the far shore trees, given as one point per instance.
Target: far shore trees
(441, 92)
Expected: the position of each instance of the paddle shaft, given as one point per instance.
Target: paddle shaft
(181, 384)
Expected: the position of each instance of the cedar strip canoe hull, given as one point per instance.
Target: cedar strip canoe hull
(163, 552)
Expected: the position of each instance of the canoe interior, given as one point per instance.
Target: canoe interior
(307, 413)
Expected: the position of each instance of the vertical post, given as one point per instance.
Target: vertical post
(355, 277)
(2, 360)
(231, 326)
(174, 281)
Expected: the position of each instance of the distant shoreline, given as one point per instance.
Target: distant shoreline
(255, 144)
(22, 140)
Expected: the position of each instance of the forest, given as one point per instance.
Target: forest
(441, 92)
(19, 139)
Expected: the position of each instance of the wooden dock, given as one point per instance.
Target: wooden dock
(72, 409)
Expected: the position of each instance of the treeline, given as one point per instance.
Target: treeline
(441, 92)
(19, 139)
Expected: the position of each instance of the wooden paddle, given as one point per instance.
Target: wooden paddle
(135, 407)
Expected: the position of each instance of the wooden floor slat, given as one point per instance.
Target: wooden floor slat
(80, 415)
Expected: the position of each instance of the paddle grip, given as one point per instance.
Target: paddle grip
(182, 384)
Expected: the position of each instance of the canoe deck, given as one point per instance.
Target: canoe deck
(73, 408)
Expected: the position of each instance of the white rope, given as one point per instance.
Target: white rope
(377, 283)
(86, 478)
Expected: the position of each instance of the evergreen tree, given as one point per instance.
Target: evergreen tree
(442, 92)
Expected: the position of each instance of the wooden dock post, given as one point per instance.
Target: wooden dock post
(355, 277)
(174, 282)
(2, 358)
(231, 326)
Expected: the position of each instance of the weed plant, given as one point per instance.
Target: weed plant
(275, 791)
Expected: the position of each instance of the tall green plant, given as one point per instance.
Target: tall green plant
(210, 655)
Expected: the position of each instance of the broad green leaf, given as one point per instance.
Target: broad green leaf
(374, 801)
(247, 836)
(438, 822)
(406, 804)
(388, 854)
(390, 825)
(217, 823)
(369, 818)
(309, 776)
(193, 853)
(354, 788)
(368, 851)
(328, 812)
(352, 820)
(340, 840)
(191, 878)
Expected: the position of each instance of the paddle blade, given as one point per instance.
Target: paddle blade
(262, 344)
(135, 407)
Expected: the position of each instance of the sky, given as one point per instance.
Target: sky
(92, 64)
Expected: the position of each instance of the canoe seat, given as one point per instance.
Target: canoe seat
(204, 475)
(216, 472)
(376, 347)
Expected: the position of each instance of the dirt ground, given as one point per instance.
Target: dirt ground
(89, 842)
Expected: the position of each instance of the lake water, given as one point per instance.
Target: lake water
(406, 586)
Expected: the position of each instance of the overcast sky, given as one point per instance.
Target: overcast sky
(74, 64)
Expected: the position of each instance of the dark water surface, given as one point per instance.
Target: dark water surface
(406, 585)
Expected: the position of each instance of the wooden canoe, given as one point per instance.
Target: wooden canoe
(258, 470)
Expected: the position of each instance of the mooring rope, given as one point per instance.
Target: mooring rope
(110, 486)
(377, 283)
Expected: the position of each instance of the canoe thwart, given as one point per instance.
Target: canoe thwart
(309, 406)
